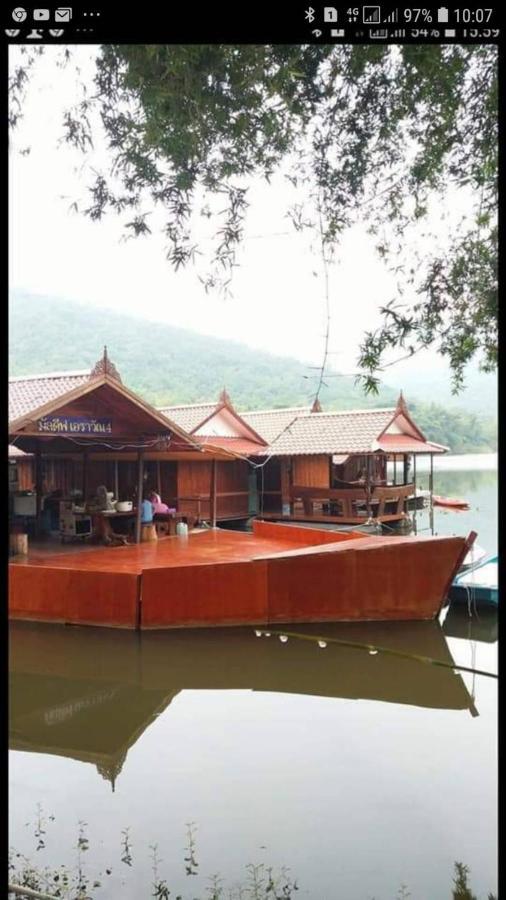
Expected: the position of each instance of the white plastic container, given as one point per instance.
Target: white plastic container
(182, 529)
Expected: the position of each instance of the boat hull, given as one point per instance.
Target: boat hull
(278, 574)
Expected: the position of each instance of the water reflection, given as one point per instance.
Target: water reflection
(477, 626)
(89, 694)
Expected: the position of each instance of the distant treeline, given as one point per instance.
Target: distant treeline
(169, 365)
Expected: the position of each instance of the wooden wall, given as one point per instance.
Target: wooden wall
(311, 471)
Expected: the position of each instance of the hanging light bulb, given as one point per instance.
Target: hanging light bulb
(322, 644)
(267, 633)
(258, 633)
(372, 652)
(283, 638)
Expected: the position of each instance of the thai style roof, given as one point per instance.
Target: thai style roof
(404, 443)
(32, 398)
(188, 416)
(234, 445)
(347, 432)
(269, 423)
(28, 392)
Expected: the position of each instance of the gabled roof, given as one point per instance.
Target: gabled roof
(405, 443)
(188, 416)
(203, 421)
(28, 392)
(351, 431)
(269, 423)
(65, 388)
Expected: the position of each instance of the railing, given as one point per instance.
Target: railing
(351, 504)
(229, 505)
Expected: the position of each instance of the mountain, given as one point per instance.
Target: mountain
(169, 365)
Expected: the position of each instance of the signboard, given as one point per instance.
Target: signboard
(74, 425)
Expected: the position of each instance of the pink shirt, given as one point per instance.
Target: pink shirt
(158, 506)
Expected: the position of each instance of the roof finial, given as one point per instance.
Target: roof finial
(401, 403)
(104, 366)
(224, 397)
(316, 407)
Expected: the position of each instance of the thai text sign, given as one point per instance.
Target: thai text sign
(74, 425)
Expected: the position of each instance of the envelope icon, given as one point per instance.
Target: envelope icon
(63, 14)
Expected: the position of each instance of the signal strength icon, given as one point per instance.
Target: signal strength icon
(393, 17)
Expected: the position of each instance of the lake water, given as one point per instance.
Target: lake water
(358, 772)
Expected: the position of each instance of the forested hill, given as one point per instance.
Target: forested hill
(169, 365)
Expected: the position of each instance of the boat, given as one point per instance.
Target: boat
(449, 502)
(477, 584)
(276, 574)
(475, 555)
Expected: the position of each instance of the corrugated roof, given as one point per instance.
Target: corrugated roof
(188, 416)
(269, 423)
(28, 392)
(351, 431)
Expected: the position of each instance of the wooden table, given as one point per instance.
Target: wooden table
(103, 525)
(166, 523)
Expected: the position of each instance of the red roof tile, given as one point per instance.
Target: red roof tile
(351, 431)
(404, 443)
(240, 446)
(28, 392)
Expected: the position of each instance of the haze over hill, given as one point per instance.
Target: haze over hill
(168, 365)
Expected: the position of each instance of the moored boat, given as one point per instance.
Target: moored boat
(277, 574)
(449, 502)
(477, 584)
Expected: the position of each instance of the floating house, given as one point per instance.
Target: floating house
(332, 467)
(86, 433)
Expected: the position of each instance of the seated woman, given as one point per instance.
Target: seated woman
(158, 506)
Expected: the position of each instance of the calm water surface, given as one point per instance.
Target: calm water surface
(357, 772)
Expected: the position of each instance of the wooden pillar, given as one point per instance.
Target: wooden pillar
(286, 500)
(140, 493)
(85, 476)
(414, 472)
(395, 468)
(159, 478)
(431, 492)
(116, 480)
(212, 497)
(38, 489)
(368, 486)
(405, 468)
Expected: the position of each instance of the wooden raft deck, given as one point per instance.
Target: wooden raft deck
(278, 574)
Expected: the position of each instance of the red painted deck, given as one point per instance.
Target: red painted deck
(279, 573)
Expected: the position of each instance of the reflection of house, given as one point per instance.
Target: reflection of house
(90, 694)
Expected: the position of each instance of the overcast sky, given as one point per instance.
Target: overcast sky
(278, 303)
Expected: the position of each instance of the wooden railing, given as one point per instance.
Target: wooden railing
(351, 504)
(229, 504)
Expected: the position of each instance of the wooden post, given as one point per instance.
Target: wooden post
(140, 493)
(85, 475)
(431, 492)
(405, 467)
(116, 480)
(395, 469)
(368, 487)
(212, 511)
(286, 500)
(159, 478)
(38, 489)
